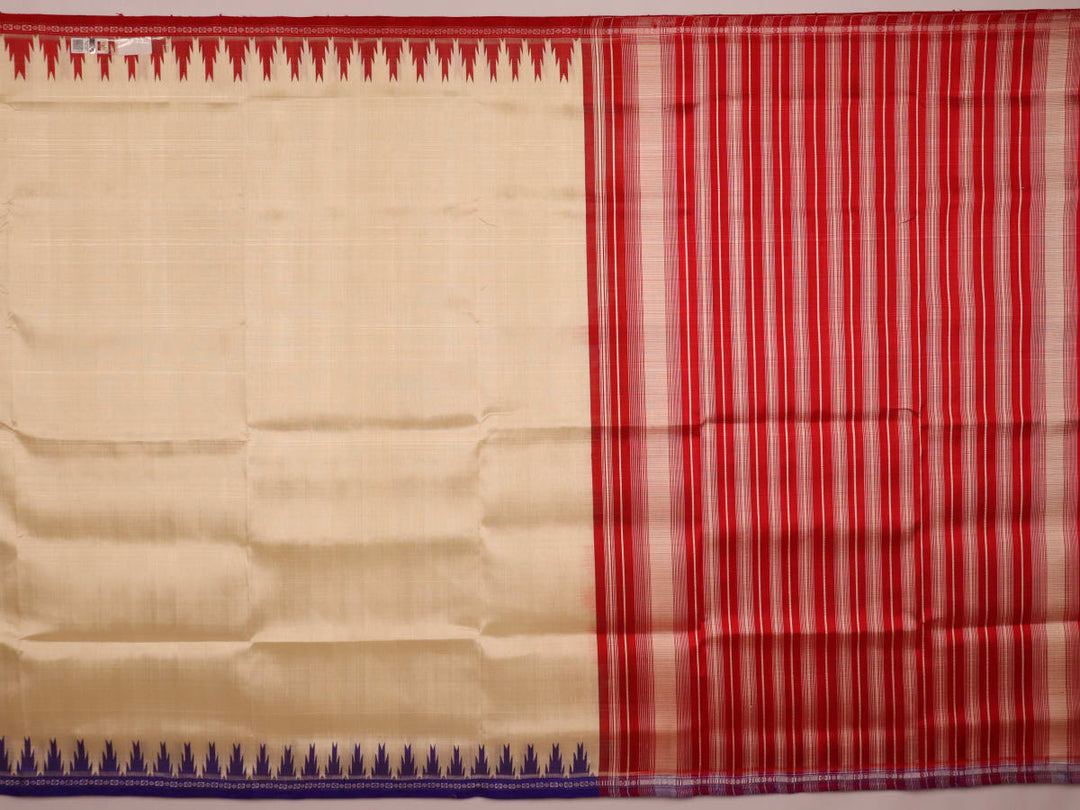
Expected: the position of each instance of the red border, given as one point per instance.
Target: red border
(76, 25)
(119, 25)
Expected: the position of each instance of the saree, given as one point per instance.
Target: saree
(539, 407)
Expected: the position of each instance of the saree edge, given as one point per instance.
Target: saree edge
(567, 26)
(568, 787)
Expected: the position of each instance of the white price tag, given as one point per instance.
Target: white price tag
(135, 46)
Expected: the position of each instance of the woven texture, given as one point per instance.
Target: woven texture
(539, 407)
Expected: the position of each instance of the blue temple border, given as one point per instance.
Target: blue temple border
(493, 787)
(230, 776)
(225, 771)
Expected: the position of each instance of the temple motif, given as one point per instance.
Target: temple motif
(50, 760)
(46, 769)
(240, 58)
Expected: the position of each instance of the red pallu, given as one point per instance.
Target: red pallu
(868, 316)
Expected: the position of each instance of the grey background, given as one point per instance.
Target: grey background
(1045, 797)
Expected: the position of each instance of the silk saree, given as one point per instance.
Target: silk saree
(539, 407)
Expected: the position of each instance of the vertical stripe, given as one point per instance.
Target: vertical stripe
(730, 692)
(597, 439)
(801, 408)
(685, 410)
(655, 322)
(818, 246)
(1055, 375)
(1026, 442)
(741, 577)
(901, 533)
(712, 671)
(755, 557)
(1071, 259)
(1004, 437)
(785, 593)
(965, 403)
(837, 358)
(935, 618)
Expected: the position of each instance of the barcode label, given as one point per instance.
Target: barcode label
(89, 45)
